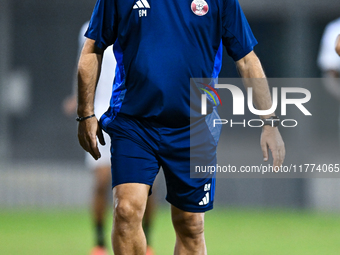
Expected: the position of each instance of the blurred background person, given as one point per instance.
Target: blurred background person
(102, 167)
(329, 61)
(337, 46)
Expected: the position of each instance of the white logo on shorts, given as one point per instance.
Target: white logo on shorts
(205, 200)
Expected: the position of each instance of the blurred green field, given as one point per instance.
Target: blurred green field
(228, 231)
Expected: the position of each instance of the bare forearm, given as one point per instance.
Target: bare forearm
(88, 73)
(251, 71)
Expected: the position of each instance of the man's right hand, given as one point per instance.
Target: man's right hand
(90, 61)
(88, 131)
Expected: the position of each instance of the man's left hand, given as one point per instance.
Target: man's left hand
(271, 138)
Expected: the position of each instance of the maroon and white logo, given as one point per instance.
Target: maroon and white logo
(199, 7)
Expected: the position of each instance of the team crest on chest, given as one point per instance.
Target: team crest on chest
(199, 7)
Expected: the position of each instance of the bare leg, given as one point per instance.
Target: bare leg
(189, 229)
(129, 202)
(149, 216)
(101, 187)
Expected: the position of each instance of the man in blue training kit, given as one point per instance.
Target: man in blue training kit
(159, 45)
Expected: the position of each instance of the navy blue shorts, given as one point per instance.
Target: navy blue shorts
(140, 147)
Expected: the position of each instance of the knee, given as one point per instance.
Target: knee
(128, 212)
(189, 225)
(129, 201)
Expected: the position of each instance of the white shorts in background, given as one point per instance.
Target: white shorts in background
(105, 159)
